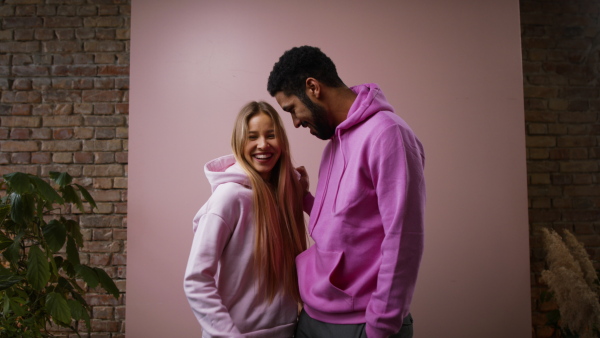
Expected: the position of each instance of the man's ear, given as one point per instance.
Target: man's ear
(313, 87)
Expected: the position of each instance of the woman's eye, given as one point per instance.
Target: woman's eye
(271, 136)
(252, 137)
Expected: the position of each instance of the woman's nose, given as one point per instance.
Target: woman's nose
(262, 143)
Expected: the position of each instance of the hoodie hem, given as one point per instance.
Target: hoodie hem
(356, 317)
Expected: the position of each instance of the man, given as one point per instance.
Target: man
(367, 214)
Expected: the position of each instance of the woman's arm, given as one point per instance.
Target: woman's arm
(210, 238)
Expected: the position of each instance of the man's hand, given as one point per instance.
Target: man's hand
(303, 179)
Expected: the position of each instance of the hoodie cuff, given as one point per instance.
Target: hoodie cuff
(373, 332)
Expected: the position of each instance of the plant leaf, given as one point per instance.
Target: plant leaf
(22, 208)
(17, 309)
(38, 270)
(5, 241)
(4, 211)
(79, 312)
(62, 179)
(63, 283)
(55, 234)
(6, 302)
(74, 230)
(20, 297)
(15, 306)
(68, 268)
(70, 285)
(18, 183)
(71, 196)
(12, 252)
(58, 261)
(57, 306)
(72, 252)
(107, 283)
(89, 275)
(78, 297)
(7, 281)
(86, 195)
(46, 191)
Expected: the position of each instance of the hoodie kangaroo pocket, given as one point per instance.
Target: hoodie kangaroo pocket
(317, 273)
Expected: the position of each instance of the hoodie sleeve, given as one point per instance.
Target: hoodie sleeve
(396, 162)
(211, 235)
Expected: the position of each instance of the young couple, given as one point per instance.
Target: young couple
(249, 270)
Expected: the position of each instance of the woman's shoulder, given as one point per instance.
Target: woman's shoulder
(232, 190)
(229, 202)
(228, 196)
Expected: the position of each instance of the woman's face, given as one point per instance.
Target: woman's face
(262, 149)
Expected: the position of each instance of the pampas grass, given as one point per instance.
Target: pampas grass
(581, 256)
(574, 282)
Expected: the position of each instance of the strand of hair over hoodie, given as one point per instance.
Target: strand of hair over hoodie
(366, 221)
(220, 283)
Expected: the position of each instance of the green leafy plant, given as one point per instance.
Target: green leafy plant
(40, 282)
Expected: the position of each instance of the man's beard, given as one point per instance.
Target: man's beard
(319, 119)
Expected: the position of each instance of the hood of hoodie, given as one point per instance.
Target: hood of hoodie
(225, 170)
(369, 100)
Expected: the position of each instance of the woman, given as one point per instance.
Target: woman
(241, 275)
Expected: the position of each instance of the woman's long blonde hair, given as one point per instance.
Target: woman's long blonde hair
(278, 214)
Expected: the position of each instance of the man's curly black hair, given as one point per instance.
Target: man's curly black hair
(296, 65)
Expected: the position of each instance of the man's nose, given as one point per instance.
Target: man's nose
(296, 122)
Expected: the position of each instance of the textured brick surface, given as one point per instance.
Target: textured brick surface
(561, 74)
(64, 77)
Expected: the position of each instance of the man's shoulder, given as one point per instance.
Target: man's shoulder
(385, 117)
(379, 122)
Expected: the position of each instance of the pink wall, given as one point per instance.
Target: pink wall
(452, 69)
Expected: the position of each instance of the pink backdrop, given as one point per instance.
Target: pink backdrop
(451, 68)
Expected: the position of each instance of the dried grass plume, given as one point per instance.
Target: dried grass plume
(581, 256)
(573, 281)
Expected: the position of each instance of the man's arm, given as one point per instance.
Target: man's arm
(396, 165)
(309, 199)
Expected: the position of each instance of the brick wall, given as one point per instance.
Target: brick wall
(561, 68)
(64, 80)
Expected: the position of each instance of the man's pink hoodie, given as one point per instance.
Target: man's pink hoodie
(366, 220)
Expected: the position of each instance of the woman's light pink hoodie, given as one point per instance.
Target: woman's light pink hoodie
(220, 282)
